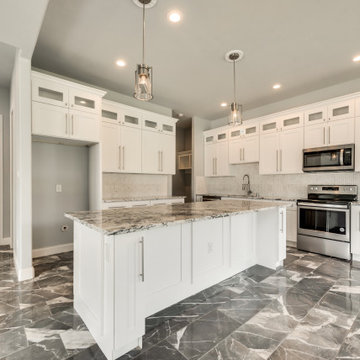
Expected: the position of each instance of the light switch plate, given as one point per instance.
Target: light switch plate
(58, 188)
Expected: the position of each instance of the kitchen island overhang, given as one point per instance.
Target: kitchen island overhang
(131, 263)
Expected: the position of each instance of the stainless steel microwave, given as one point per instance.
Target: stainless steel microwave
(329, 158)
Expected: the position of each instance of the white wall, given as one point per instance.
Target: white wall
(300, 100)
(57, 164)
(5, 111)
(20, 104)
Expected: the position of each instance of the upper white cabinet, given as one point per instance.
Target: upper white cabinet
(281, 145)
(331, 125)
(216, 152)
(65, 110)
(144, 141)
(244, 144)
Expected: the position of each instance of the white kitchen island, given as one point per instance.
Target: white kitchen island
(131, 263)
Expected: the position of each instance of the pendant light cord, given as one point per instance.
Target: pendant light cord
(143, 49)
(234, 81)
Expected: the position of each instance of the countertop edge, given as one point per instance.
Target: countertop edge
(177, 222)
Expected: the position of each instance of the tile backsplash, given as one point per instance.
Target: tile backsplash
(272, 186)
(128, 185)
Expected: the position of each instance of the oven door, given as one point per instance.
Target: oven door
(325, 221)
(331, 158)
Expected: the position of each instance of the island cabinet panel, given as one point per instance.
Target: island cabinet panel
(129, 290)
(208, 248)
(242, 241)
(163, 267)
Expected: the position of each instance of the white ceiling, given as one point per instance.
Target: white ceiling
(303, 44)
(20, 23)
(7, 56)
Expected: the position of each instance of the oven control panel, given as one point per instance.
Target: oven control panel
(333, 189)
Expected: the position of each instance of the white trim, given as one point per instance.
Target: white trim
(5, 241)
(68, 83)
(1, 180)
(24, 274)
(51, 250)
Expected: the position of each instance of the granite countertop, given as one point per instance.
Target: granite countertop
(245, 197)
(143, 198)
(126, 220)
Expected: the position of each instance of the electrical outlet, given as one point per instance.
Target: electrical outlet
(64, 228)
(58, 188)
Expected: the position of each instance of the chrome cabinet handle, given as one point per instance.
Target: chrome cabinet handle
(119, 157)
(216, 166)
(282, 221)
(277, 160)
(213, 166)
(72, 124)
(324, 135)
(142, 273)
(66, 124)
(240, 153)
(329, 134)
(159, 161)
(280, 151)
(243, 154)
(123, 157)
(359, 221)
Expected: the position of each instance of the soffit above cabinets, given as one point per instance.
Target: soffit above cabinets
(304, 45)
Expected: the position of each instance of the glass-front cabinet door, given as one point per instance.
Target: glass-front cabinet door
(49, 92)
(130, 117)
(84, 101)
(342, 110)
(315, 116)
(150, 122)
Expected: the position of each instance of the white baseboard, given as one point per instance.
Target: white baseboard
(51, 250)
(291, 244)
(5, 241)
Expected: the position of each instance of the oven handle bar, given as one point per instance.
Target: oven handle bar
(321, 206)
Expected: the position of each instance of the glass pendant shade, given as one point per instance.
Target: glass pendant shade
(235, 114)
(143, 83)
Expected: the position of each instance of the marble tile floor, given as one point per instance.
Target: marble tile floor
(308, 309)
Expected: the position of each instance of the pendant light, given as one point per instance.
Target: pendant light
(235, 117)
(143, 72)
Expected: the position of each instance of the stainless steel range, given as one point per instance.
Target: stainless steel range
(324, 220)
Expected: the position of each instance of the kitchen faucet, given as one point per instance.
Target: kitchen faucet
(246, 186)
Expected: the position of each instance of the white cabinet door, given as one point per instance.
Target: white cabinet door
(269, 126)
(222, 159)
(291, 225)
(342, 110)
(269, 149)
(235, 151)
(130, 118)
(49, 120)
(85, 126)
(84, 101)
(315, 116)
(150, 152)
(355, 232)
(49, 92)
(341, 132)
(130, 149)
(110, 145)
(129, 258)
(168, 155)
(151, 122)
(250, 151)
(291, 149)
(209, 159)
(291, 121)
(315, 136)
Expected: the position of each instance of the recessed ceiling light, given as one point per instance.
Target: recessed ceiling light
(223, 104)
(356, 58)
(277, 86)
(174, 16)
(120, 63)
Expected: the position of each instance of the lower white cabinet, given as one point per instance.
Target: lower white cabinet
(355, 232)
(121, 148)
(59, 122)
(244, 150)
(158, 153)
